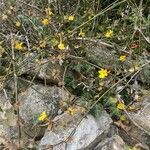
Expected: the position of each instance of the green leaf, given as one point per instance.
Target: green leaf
(96, 110)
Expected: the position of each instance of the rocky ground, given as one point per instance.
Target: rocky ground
(64, 130)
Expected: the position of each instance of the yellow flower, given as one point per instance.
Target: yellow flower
(103, 73)
(61, 46)
(18, 24)
(121, 106)
(48, 12)
(71, 111)
(82, 34)
(109, 33)
(45, 22)
(18, 45)
(42, 116)
(122, 58)
(71, 18)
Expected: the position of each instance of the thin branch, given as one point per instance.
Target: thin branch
(16, 88)
(146, 38)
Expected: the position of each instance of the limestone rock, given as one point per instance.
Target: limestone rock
(142, 116)
(47, 69)
(100, 55)
(87, 133)
(39, 98)
(140, 123)
(8, 120)
(113, 143)
(4, 102)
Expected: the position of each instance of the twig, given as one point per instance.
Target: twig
(95, 40)
(64, 74)
(28, 44)
(5, 94)
(16, 88)
(59, 7)
(146, 39)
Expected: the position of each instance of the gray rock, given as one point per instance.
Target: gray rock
(142, 116)
(39, 98)
(47, 69)
(113, 143)
(8, 120)
(87, 133)
(144, 74)
(4, 134)
(7, 115)
(101, 55)
(4, 101)
(140, 123)
(22, 85)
